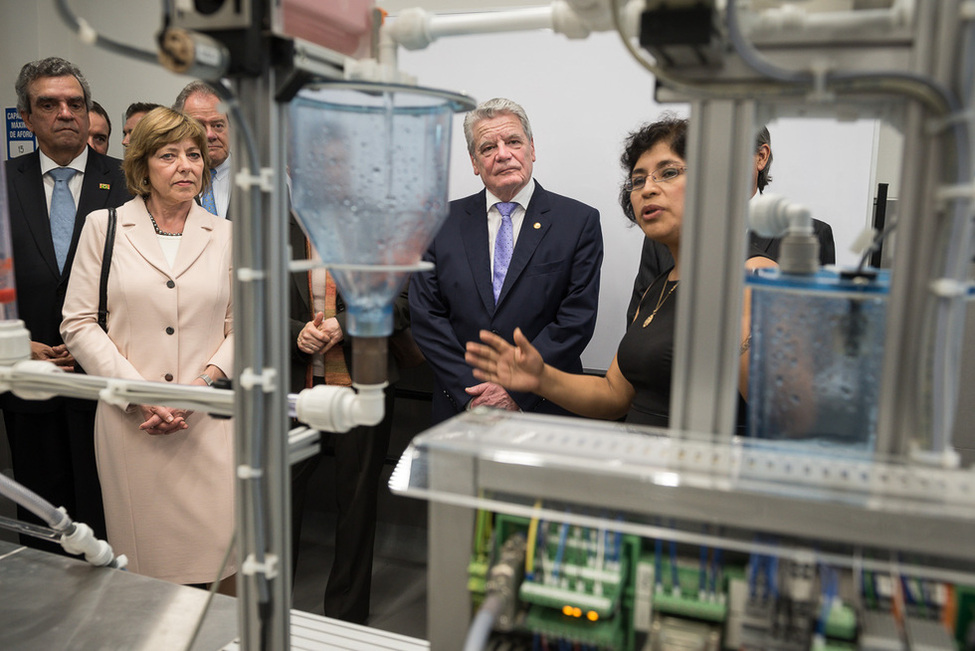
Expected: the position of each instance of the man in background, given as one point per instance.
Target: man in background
(51, 191)
(135, 112)
(512, 255)
(100, 128)
(199, 100)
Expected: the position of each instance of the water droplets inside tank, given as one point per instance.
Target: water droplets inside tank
(816, 357)
(369, 172)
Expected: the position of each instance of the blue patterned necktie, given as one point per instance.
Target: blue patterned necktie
(503, 246)
(207, 199)
(62, 213)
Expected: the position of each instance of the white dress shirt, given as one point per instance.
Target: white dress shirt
(517, 217)
(222, 187)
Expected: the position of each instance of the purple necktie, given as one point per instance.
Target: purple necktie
(503, 246)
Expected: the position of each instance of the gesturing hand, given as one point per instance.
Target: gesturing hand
(516, 367)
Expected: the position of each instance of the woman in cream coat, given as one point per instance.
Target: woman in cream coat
(166, 474)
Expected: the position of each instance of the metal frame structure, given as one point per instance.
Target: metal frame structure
(504, 463)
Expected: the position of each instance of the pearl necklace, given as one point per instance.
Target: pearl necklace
(160, 231)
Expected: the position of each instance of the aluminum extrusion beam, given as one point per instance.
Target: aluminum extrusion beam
(260, 309)
(704, 388)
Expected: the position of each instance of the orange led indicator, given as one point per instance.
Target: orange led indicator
(592, 615)
(567, 610)
(577, 612)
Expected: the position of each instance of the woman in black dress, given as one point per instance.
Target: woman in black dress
(637, 383)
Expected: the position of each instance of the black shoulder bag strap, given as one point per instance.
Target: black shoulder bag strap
(106, 265)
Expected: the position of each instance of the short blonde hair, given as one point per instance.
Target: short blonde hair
(160, 127)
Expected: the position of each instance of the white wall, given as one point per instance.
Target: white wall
(583, 97)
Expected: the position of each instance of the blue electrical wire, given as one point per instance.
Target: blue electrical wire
(563, 535)
(617, 541)
(824, 596)
(753, 576)
(773, 576)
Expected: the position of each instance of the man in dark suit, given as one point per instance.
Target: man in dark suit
(51, 191)
(512, 255)
(656, 259)
(199, 100)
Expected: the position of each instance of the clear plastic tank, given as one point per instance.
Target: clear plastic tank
(8, 289)
(816, 357)
(368, 167)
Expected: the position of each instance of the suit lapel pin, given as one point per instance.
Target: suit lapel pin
(104, 186)
(536, 226)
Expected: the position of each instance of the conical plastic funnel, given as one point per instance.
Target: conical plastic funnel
(368, 166)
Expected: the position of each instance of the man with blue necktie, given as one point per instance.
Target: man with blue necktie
(200, 101)
(512, 255)
(50, 192)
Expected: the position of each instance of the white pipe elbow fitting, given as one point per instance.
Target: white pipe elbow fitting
(370, 404)
(771, 215)
(339, 409)
(411, 29)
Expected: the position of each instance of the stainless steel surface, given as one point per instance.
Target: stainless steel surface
(54, 602)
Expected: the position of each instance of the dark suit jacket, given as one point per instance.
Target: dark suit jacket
(551, 292)
(656, 258)
(300, 314)
(40, 286)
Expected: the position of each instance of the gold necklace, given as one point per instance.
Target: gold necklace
(660, 301)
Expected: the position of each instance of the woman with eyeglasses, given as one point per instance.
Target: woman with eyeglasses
(637, 384)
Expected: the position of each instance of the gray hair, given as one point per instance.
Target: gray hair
(492, 109)
(49, 67)
(191, 89)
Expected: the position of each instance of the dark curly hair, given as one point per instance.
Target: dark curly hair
(669, 129)
(673, 131)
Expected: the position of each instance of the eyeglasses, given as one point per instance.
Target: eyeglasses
(665, 175)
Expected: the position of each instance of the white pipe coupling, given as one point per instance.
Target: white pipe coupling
(339, 409)
(771, 215)
(83, 541)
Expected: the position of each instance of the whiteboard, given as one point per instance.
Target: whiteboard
(582, 98)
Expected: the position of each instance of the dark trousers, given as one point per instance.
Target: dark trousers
(359, 457)
(53, 454)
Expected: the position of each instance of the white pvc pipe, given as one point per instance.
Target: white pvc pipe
(492, 22)
(794, 17)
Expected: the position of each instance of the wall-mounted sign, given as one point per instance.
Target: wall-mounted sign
(19, 138)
